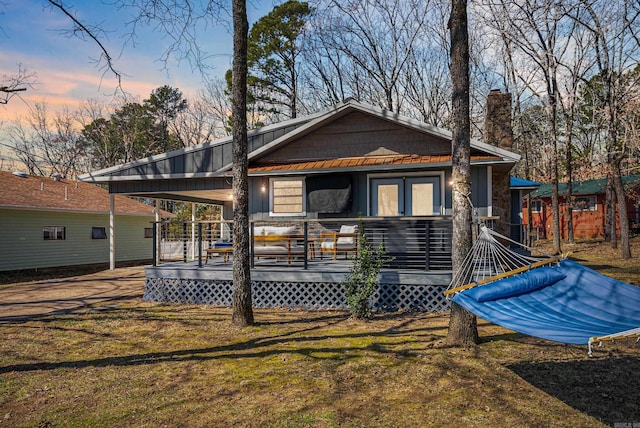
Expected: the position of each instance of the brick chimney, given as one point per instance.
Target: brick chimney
(497, 120)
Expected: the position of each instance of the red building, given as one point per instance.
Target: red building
(588, 208)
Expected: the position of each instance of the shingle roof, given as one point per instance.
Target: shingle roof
(587, 187)
(355, 162)
(45, 193)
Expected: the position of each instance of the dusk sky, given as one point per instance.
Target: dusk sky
(30, 35)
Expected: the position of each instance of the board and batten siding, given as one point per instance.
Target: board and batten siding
(22, 245)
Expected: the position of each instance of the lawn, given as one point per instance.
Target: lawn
(151, 365)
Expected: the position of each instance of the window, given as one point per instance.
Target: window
(585, 203)
(536, 206)
(98, 233)
(287, 196)
(54, 233)
(148, 232)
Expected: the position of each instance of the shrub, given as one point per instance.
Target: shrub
(362, 280)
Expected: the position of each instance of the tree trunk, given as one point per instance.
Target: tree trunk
(625, 246)
(242, 305)
(610, 214)
(463, 329)
(569, 198)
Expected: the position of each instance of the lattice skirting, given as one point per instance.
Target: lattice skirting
(294, 295)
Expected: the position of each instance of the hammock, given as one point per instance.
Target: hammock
(566, 302)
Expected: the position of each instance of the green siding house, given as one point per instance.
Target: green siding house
(50, 222)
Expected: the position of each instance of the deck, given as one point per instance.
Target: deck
(278, 284)
(419, 270)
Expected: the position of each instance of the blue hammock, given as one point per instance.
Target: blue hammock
(567, 303)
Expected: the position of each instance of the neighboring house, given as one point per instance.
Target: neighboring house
(589, 207)
(53, 222)
(347, 161)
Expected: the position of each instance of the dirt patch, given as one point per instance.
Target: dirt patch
(30, 300)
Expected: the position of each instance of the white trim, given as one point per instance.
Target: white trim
(489, 191)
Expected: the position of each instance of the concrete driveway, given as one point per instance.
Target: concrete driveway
(20, 302)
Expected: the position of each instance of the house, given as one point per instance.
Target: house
(48, 222)
(519, 189)
(589, 207)
(353, 162)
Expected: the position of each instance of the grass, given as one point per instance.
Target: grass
(151, 365)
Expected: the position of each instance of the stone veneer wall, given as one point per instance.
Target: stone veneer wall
(499, 132)
(497, 121)
(502, 202)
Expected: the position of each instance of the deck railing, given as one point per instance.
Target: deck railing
(422, 243)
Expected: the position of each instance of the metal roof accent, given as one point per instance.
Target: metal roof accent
(365, 161)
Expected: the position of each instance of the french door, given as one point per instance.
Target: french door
(405, 196)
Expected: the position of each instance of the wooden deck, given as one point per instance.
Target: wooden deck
(269, 269)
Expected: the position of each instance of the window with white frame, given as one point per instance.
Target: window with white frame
(585, 203)
(536, 206)
(287, 197)
(54, 233)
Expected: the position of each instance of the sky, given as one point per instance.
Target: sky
(67, 75)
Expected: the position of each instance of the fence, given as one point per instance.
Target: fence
(422, 243)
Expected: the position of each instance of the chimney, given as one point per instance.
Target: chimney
(497, 120)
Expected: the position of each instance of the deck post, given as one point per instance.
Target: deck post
(154, 235)
(199, 244)
(112, 231)
(157, 229)
(184, 242)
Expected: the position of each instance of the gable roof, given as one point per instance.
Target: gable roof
(21, 191)
(587, 187)
(214, 159)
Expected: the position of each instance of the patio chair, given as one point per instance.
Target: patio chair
(344, 241)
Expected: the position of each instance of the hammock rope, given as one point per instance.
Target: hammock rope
(490, 260)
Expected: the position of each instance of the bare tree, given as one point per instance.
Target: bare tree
(12, 86)
(463, 328)
(539, 30)
(374, 39)
(85, 31)
(48, 144)
(574, 69)
(617, 48)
